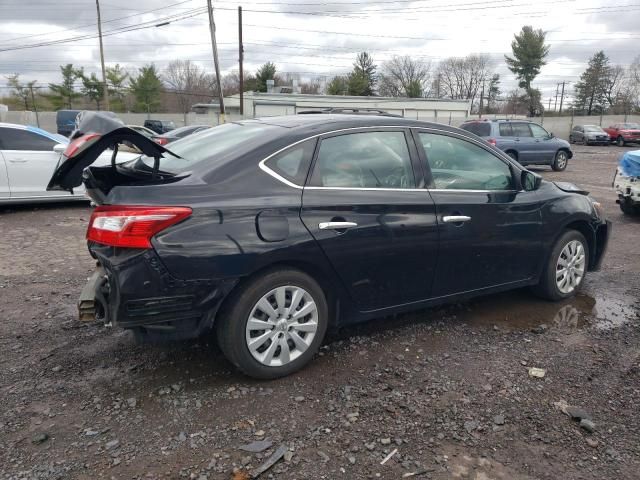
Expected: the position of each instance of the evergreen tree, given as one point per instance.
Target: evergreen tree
(529, 52)
(64, 93)
(591, 90)
(146, 89)
(264, 73)
(362, 80)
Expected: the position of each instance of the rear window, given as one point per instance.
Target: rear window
(505, 130)
(482, 129)
(214, 142)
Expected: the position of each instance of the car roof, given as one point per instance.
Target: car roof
(483, 120)
(51, 136)
(327, 122)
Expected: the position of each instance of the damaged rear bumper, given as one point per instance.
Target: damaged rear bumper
(132, 289)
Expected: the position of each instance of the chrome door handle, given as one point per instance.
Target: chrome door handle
(18, 160)
(455, 218)
(336, 225)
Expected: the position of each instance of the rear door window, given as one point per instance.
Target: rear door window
(482, 129)
(505, 130)
(521, 130)
(364, 160)
(16, 139)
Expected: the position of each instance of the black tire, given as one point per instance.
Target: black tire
(547, 287)
(627, 207)
(512, 154)
(232, 321)
(620, 142)
(560, 161)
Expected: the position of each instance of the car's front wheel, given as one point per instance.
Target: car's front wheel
(560, 161)
(274, 324)
(566, 268)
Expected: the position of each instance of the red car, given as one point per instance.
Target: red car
(623, 133)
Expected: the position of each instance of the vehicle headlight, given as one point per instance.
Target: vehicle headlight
(597, 208)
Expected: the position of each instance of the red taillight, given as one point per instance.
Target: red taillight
(161, 140)
(132, 227)
(80, 144)
(492, 141)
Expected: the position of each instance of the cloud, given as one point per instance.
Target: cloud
(315, 37)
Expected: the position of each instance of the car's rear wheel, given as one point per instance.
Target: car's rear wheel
(627, 207)
(512, 154)
(274, 324)
(560, 161)
(566, 268)
(620, 142)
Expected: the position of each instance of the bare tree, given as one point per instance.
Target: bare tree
(403, 76)
(189, 83)
(462, 77)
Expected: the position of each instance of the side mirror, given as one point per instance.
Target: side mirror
(530, 181)
(59, 148)
(551, 135)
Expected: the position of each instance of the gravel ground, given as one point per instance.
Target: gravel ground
(447, 392)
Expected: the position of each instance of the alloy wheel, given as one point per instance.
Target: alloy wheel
(570, 267)
(561, 160)
(281, 326)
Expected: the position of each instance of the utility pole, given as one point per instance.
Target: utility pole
(481, 100)
(561, 97)
(555, 105)
(104, 73)
(240, 60)
(214, 46)
(549, 104)
(35, 108)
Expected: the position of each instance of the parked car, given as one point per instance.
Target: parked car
(179, 133)
(626, 182)
(272, 230)
(526, 142)
(66, 120)
(159, 126)
(623, 133)
(589, 135)
(28, 158)
(147, 132)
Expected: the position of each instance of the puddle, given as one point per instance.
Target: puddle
(521, 310)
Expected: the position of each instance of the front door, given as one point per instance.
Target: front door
(30, 162)
(489, 232)
(376, 228)
(545, 146)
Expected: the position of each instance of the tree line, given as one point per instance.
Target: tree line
(602, 86)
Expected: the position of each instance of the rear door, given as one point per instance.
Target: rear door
(525, 143)
(378, 229)
(489, 231)
(30, 161)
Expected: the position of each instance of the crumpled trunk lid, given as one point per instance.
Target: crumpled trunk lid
(69, 171)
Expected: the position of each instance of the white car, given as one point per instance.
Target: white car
(28, 158)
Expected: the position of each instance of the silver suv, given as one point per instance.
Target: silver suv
(524, 141)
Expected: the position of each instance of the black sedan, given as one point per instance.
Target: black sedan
(272, 230)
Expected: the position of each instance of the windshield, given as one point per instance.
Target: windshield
(589, 128)
(630, 126)
(213, 143)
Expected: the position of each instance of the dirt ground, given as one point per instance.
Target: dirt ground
(447, 390)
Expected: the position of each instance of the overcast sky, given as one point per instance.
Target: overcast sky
(312, 37)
